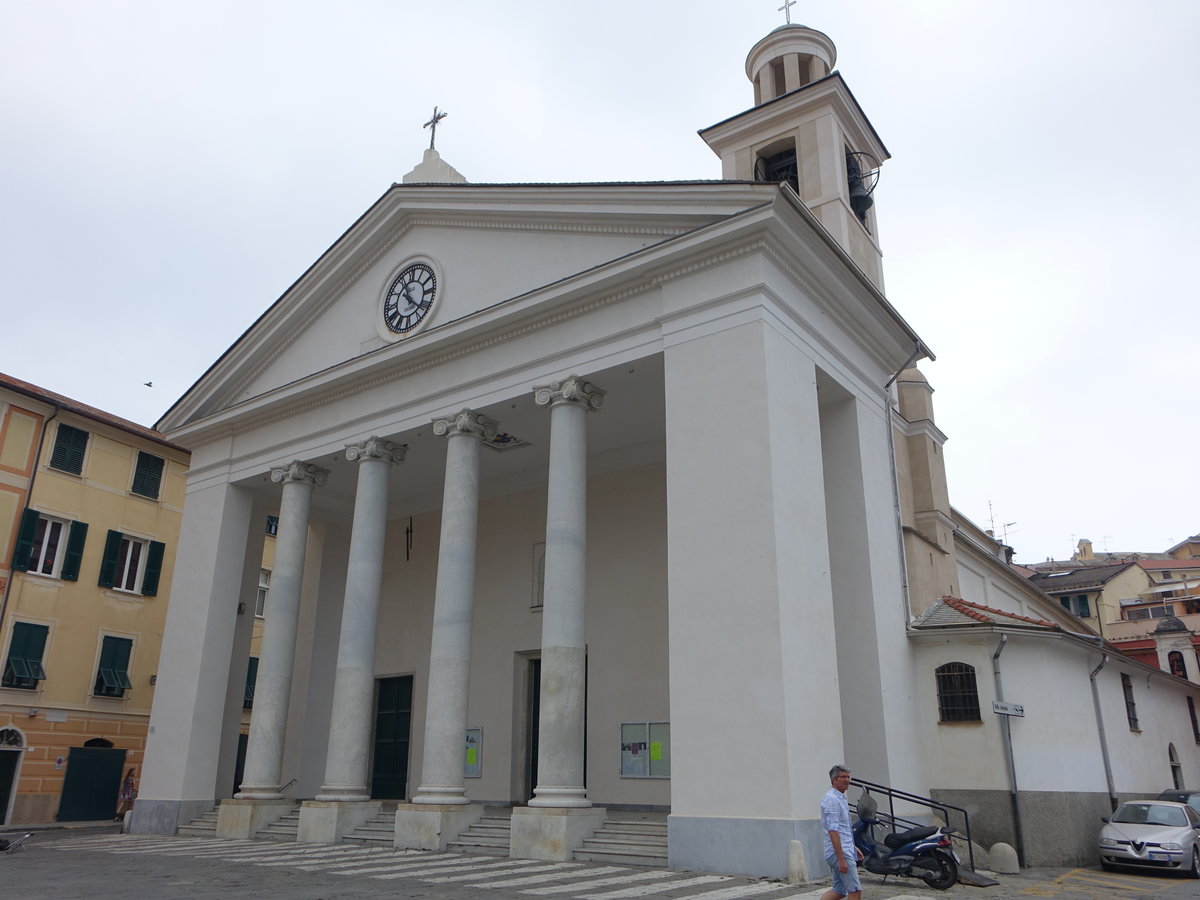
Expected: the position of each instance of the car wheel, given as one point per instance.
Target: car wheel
(1195, 872)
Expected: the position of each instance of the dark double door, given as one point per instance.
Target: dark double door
(91, 785)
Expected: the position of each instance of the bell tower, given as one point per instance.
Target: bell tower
(807, 130)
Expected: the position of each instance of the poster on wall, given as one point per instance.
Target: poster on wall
(473, 767)
(646, 750)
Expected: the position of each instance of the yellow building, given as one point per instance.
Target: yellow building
(90, 509)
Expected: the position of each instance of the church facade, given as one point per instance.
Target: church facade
(589, 497)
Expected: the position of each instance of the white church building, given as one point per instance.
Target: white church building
(595, 497)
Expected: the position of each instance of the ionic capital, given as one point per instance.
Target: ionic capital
(466, 422)
(376, 448)
(571, 389)
(300, 471)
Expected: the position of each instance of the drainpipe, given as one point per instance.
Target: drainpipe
(1006, 728)
(1108, 774)
(37, 460)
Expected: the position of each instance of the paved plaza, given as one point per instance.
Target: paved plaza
(89, 863)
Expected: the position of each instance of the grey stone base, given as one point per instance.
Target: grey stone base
(430, 826)
(328, 821)
(1058, 827)
(760, 848)
(164, 816)
(242, 818)
(552, 833)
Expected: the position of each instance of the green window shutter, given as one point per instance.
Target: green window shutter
(74, 555)
(70, 443)
(147, 478)
(112, 678)
(23, 669)
(29, 520)
(153, 569)
(108, 565)
(251, 682)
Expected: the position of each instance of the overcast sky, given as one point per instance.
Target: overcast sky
(168, 169)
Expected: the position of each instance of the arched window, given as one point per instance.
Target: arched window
(958, 698)
(1175, 664)
(9, 738)
(98, 742)
(1176, 768)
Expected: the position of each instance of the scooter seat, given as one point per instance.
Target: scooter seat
(900, 838)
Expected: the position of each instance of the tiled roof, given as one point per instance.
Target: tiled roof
(956, 611)
(82, 409)
(1077, 578)
(1192, 563)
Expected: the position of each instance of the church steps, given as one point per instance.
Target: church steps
(204, 825)
(285, 828)
(491, 835)
(627, 842)
(378, 831)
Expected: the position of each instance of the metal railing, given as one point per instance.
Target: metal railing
(896, 822)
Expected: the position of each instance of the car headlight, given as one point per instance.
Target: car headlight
(1108, 842)
(1171, 846)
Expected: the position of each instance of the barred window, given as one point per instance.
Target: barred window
(1130, 704)
(958, 697)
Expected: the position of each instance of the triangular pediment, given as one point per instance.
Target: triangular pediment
(483, 245)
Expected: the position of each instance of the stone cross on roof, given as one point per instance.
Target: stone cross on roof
(432, 125)
(786, 9)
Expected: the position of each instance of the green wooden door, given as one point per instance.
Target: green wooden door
(393, 728)
(92, 782)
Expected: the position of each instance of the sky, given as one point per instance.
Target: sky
(168, 169)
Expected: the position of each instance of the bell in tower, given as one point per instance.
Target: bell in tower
(807, 131)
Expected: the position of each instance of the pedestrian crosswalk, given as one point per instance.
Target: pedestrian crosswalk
(538, 878)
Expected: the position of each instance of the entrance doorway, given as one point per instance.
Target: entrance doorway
(92, 783)
(533, 707)
(11, 748)
(393, 729)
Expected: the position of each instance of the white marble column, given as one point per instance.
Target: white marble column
(560, 776)
(454, 597)
(346, 775)
(264, 751)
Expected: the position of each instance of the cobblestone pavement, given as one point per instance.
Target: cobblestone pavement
(99, 863)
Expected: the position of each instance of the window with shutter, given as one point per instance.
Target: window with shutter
(70, 444)
(251, 681)
(147, 477)
(23, 666)
(112, 676)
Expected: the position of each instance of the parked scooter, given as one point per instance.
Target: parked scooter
(924, 852)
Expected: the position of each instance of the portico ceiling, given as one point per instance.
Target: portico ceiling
(627, 431)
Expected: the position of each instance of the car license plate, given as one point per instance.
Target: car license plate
(1159, 855)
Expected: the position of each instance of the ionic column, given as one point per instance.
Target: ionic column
(454, 597)
(346, 775)
(560, 776)
(264, 750)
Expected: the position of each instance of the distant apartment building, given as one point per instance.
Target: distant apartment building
(90, 510)
(1146, 604)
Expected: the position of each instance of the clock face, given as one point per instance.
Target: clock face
(409, 299)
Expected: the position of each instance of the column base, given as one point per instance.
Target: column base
(428, 826)
(242, 818)
(552, 834)
(560, 798)
(328, 821)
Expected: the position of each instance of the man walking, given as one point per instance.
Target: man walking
(840, 852)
